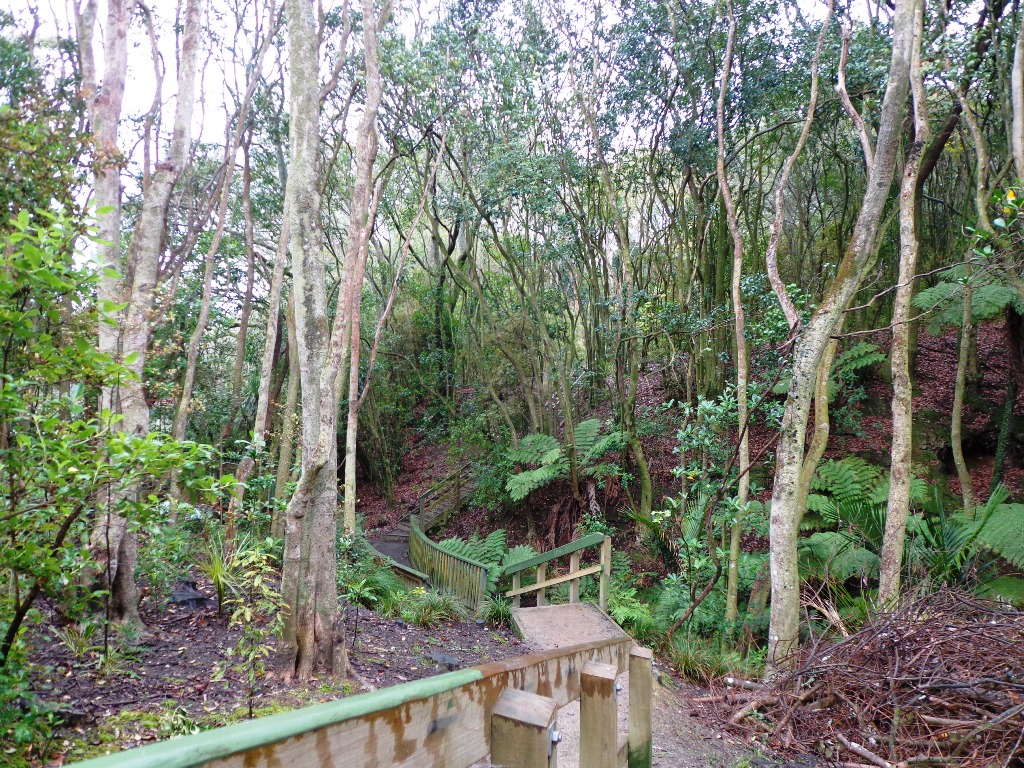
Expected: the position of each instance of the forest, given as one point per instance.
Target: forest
(739, 284)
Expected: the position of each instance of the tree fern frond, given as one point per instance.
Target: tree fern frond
(586, 433)
(1003, 533)
(532, 449)
(522, 485)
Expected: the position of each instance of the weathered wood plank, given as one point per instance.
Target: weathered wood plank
(557, 580)
(641, 696)
(566, 549)
(521, 728)
(599, 739)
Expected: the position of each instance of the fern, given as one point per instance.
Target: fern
(944, 301)
(613, 441)
(1008, 588)
(522, 485)
(858, 357)
(586, 436)
(517, 554)
(533, 449)
(1003, 533)
(836, 555)
(849, 479)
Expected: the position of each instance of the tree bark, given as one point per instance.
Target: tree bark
(811, 346)
(125, 334)
(900, 470)
(739, 325)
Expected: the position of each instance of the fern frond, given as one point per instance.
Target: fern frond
(523, 484)
(533, 448)
(849, 479)
(586, 434)
(1003, 533)
(859, 356)
(613, 441)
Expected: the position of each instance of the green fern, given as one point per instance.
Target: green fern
(522, 485)
(836, 555)
(586, 436)
(944, 301)
(1003, 533)
(858, 357)
(848, 479)
(517, 554)
(1008, 588)
(533, 449)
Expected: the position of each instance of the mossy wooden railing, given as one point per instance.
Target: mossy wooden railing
(443, 721)
(442, 500)
(446, 571)
(572, 549)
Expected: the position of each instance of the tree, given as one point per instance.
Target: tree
(311, 636)
(812, 360)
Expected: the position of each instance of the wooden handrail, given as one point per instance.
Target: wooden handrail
(441, 721)
(453, 481)
(540, 562)
(566, 549)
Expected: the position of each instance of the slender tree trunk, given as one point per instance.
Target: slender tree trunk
(811, 346)
(243, 321)
(135, 288)
(959, 394)
(739, 326)
(312, 637)
(898, 508)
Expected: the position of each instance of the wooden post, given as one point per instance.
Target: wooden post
(523, 731)
(517, 601)
(574, 585)
(598, 716)
(542, 575)
(640, 702)
(606, 571)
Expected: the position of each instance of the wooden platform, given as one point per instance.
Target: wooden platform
(561, 626)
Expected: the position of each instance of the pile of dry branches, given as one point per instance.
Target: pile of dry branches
(940, 681)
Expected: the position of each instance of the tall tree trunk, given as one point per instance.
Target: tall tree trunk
(135, 288)
(898, 506)
(959, 395)
(243, 320)
(312, 640)
(741, 357)
(789, 493)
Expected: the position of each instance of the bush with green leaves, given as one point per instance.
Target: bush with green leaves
(233, 566)
(429, 607)
(59, 455)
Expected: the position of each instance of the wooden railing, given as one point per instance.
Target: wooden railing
(447, 721)
(572, 549)
(443, 499)
(453, 573)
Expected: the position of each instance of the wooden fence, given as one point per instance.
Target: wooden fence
(438, 504)
(444, 721)
(453, 573)
(572, 549)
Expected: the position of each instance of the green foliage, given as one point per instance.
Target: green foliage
(496, 610)
(943, 302)
(428, 608)
(59, 456)
(553, 458)
(256, 608)
(490, 551)
(630, 612)
(1007, 588)
(1004, 533)
(363, 578)
(232, 566)
(836, 555)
